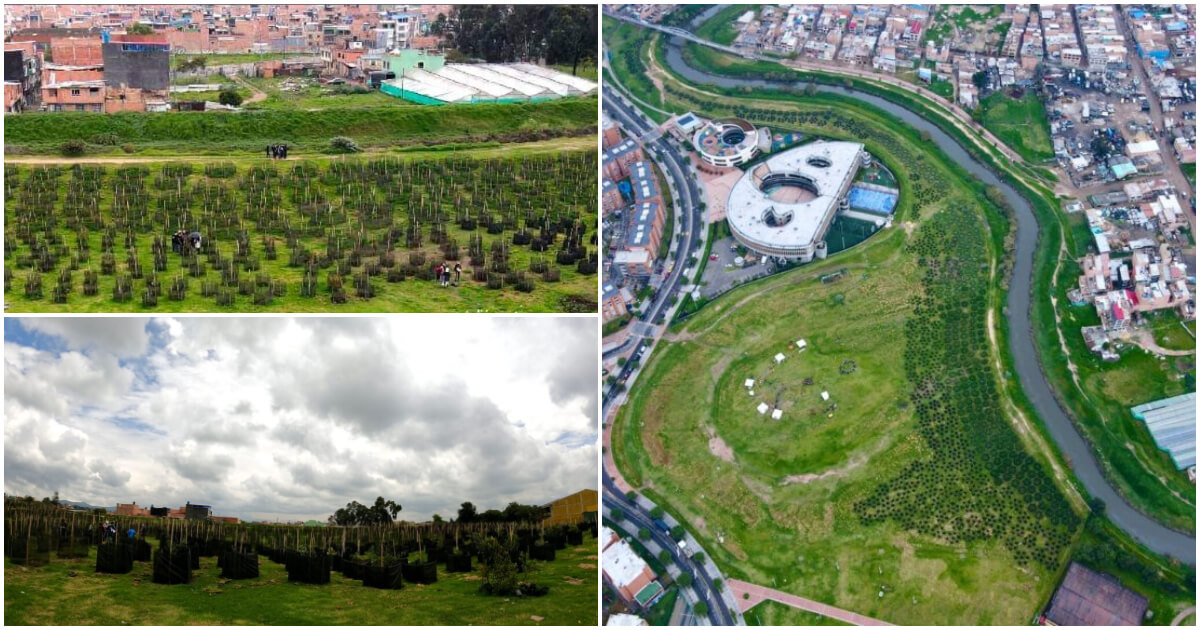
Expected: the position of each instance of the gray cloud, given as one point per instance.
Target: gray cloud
(293, 418)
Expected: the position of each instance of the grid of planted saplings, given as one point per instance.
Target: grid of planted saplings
(977, 481)
(223, 235)
(381, 556)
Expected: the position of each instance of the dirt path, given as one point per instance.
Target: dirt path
(256, 95)
(555, 144)
(1183, 614)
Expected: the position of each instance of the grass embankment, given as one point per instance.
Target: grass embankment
(214, 203)
(306, 131)
(1106, 392)
(791, 504)
(1020, 123)
(69, 592)
(722, 27)
(227, 59)
(627, 47)
(1169, 501)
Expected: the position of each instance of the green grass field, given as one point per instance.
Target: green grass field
(306, 93)
(1021, 124)
(246, 133)
(721, 27)
(323, 208)
(1173, 334)
(69, 592)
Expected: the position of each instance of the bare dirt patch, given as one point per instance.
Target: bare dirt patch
(718, 447)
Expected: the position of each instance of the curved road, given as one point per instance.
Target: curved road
(718, 608)
(671, 163)
(1077, 451)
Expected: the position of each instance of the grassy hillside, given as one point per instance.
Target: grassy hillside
(307, 131)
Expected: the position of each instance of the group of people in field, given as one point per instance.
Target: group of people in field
(108, 532)
(182, 238)
(277, 151)
(441, 273)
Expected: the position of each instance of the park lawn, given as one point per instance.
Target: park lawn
(1020, 123)
(721, 27)
(1143, 473)
(49, 595)
(1189, 171)
(574, 291)
(769, 613)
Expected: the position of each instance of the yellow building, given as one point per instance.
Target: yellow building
(573, 508)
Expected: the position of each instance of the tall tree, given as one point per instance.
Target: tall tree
(383, 512)
(467, 513)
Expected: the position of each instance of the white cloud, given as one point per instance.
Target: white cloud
(293, 418)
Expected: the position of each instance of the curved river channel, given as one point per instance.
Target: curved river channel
(1082, 460)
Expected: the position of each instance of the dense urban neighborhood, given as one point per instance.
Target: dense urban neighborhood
(857, 256)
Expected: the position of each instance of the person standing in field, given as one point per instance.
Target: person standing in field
(457, 272)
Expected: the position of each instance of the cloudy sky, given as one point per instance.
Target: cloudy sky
(291, 418)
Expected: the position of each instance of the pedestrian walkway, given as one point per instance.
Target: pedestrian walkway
(759, 593)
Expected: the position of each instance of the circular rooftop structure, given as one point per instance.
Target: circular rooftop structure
(726, 142)
(783, 206)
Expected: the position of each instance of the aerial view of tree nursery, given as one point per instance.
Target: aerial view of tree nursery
(509, 233)
(69, 567)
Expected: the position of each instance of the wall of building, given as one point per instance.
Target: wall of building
(141, 66)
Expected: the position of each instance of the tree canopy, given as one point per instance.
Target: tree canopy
(382, 512)
(560, 34)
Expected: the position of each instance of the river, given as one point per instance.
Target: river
(1079, 454)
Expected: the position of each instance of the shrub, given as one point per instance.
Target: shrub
(106, 138)
(230, 96)
(128, 148)
(499, 570)
(73, 148)
(342, 144)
